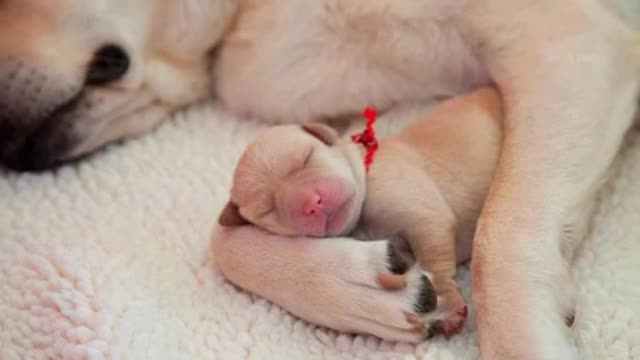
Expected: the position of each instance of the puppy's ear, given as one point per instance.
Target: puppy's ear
(322, 132)
(230, 216)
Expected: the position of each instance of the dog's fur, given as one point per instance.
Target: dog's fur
(567, 72)
(50, 114)
(425, 190)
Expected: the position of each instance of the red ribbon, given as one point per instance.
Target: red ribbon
(368, 137)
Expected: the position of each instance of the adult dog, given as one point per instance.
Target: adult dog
(75, 75)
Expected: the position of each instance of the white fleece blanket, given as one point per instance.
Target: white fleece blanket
(110, 260)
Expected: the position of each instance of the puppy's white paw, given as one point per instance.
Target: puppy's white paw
(382, 301)
(443, 312)
(449, 316)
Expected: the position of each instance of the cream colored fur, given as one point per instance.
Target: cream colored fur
(562, 127)
(567, 72)
(423, 188)
(560, 135)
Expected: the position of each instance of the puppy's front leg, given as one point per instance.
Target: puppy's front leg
(431, 233)
(340, 283)
(569, 86)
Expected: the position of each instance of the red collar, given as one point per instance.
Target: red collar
(367, 137)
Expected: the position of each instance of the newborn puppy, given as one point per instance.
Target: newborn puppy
(424, 189)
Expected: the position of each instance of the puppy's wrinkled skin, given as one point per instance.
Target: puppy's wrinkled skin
(423, 188)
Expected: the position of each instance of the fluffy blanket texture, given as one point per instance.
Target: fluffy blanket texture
(110, 259)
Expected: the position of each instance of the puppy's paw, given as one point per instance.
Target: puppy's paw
(384, 303)
(449, 316)
(426, 299)
(442, 314)
(452, 324)
(399, 257)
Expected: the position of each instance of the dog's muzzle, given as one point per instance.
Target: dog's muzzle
(31, 104)
(38, 108)
(34, 143)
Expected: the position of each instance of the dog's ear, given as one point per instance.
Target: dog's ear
(322, 132)
(230, 216)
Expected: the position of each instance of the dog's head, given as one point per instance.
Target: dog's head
(76, 74)
(298, 180)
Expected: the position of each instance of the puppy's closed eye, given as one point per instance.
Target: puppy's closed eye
(308, 158)
(267, 209)
(298, 163)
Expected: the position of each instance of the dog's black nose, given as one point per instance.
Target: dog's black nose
(109, 64)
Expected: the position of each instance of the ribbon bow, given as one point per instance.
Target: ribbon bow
(368, 137)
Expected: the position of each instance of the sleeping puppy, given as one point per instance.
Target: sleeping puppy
(422, 190)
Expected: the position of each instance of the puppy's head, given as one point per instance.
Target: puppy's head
(78, 74)
(298, 180)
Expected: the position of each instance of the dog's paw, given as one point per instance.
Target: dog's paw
(381, 300)
(452, 324)
(448, 317)
(399, 258)
(426, 298)
(443, 315)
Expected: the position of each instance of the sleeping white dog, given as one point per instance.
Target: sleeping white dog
(76, 75)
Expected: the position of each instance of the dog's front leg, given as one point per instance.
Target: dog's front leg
(569, 82)
(340, 283)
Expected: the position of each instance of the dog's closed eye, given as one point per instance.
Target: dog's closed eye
(267, 210)
(298, 164)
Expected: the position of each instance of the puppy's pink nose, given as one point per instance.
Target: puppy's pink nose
(313, 205)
